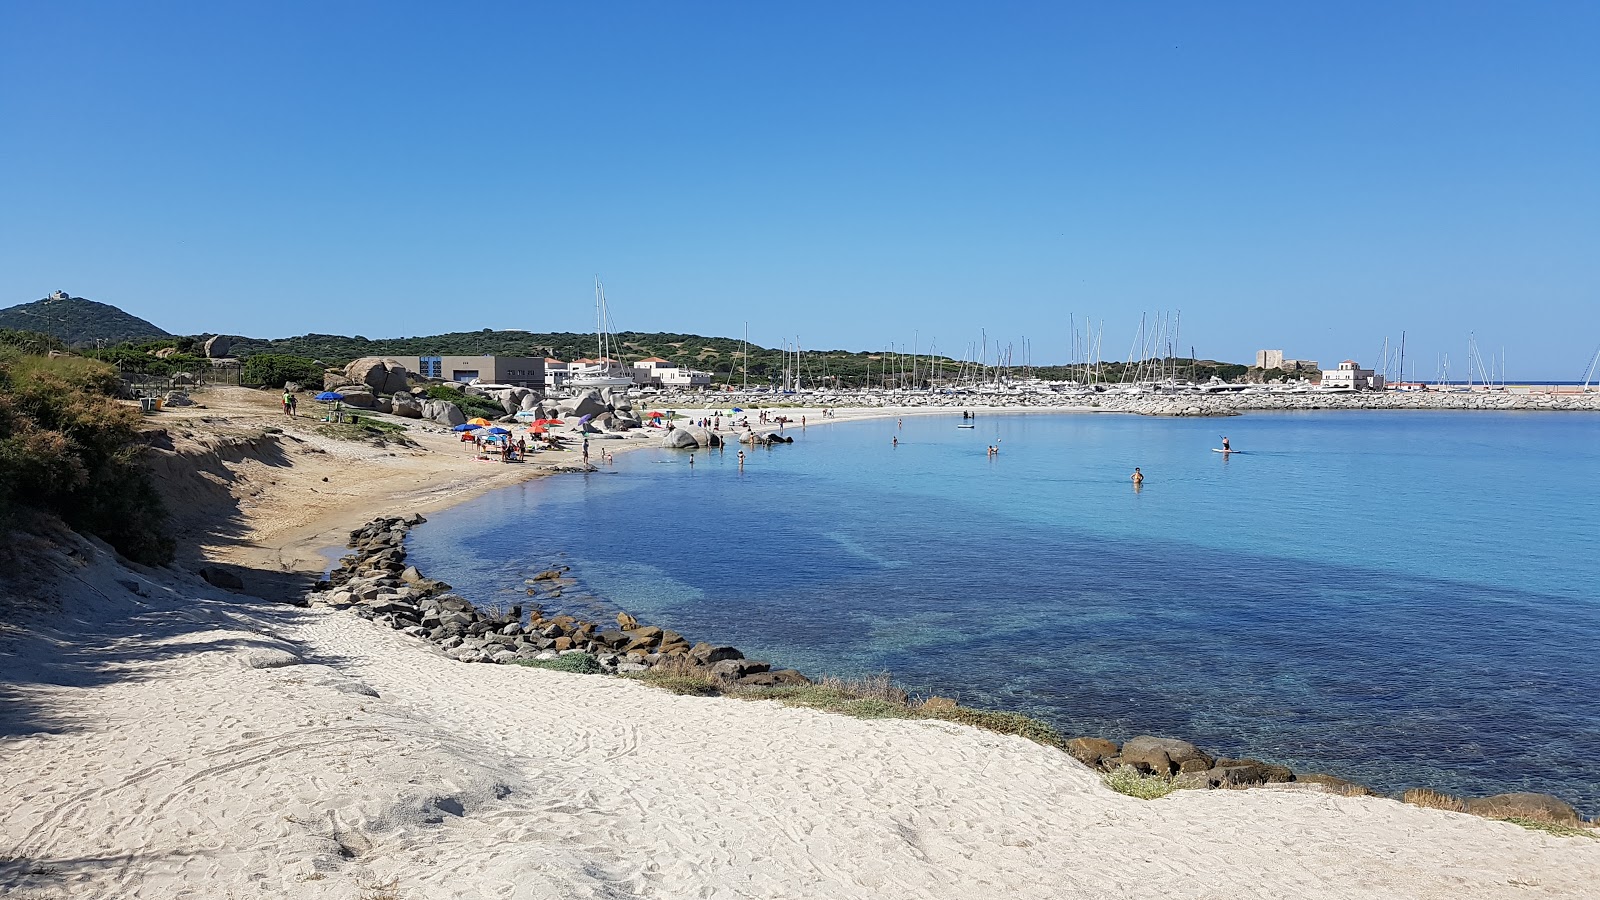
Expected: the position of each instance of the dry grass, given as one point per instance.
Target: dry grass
(381, 890)
(1428, 798)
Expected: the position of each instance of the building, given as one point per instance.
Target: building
(556, 373)
(520, 371)
(1350, 376)
(657, 372)
(1273, 359)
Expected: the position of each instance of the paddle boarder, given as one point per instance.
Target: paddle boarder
(1225, 447)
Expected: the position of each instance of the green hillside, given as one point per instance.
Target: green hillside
(78, 322)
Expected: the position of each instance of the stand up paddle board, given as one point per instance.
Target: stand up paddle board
(966, 426)
(1220, 450)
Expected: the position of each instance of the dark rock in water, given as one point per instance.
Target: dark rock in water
(1164, 756)
(216, 576)
(705, 654)
(1538, 807)
(613, 638)
(1254, 771)
(1091, 750)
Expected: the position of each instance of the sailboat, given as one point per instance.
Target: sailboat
(608, 372)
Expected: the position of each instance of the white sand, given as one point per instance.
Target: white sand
(191, 746)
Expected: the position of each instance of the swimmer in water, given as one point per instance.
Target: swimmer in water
(896, 442)
(1138, 476)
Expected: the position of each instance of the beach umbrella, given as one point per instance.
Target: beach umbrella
(538, 429)
(329, 396)
(655, 415)
(480, 421)
(554, 422)
(735, 409)
(526, 413)
(464, 427)
(498, 431)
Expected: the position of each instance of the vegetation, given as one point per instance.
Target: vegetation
(1432, 799)
(873, 697)
(139, 360)
(274, 369)
(357, 427)
(1130, 781)
(577, 663)
(1554, 828)
(66, 447)
(30, 342)
(471, 404)
(79, 322)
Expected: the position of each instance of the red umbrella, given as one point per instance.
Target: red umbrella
(538, 429)
(656, 415)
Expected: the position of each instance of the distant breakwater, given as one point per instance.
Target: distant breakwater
(1185, 403)
(375, 582)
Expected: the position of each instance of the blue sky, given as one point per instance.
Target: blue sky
(1310, 177)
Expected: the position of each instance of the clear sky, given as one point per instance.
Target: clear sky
(1313, 177)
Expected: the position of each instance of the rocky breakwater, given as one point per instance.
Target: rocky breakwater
(375, 582)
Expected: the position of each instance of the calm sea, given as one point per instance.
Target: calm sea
(1401, 598)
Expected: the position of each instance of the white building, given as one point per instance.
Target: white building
(655, 371)
(1350, 376)
(556, 373)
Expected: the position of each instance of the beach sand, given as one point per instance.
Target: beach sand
(163, 738)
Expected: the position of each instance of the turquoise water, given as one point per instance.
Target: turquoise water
(1402, 598)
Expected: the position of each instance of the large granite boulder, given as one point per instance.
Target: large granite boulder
(443, 412)
(589, 403)
(407, 406)
(333, 380)
(383, 375)
(218, 347)
(384, 405)
(530, 401)
(1164, 756)
(1537, 807)
(360, 399)
(679, 439)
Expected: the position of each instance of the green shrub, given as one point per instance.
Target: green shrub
(471, 404)
(141, 362)
(1130, 781)
(1554, 828)
(578, 663)
(30, 341)
(273, 369)
(1001, 722)
(67, 447)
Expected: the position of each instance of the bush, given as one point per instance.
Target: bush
(1130, 781)
(577, 663)
(273, 369)
(66, 447)
(30, 341)
(471, 404)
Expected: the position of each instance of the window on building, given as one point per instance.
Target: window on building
(430, 367)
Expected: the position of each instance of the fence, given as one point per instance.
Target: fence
(217, 374)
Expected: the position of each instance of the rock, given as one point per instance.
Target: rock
(407, 406)
(735, 669)
(1164, 756)
(616, 639)
(705, 654)
(679, 439)
(1092, 750)
(1240, 773)
(217, 576)
(1538, 807)
(165, 352)
(1334, 784)
(359, 399)
(589, 403)
(775, 678)
(411, 575)
(176, 398)
(444, 412)
(383, 375)
(332, 381)
(384, 405)
(218, 347)
(624, 621)
(183, 378)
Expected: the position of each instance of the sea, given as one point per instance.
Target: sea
(1401, 598)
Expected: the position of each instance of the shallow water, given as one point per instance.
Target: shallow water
(1401, 598)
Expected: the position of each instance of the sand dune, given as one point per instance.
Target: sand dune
(185, 744)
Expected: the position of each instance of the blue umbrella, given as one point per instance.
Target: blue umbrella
(498, 430)
(463, 427)
(737, 409)
(329, 396)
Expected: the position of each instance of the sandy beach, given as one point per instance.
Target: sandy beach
(164, 738)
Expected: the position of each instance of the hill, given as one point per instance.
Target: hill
(77, 321)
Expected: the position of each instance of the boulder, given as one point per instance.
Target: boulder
(444, 412)
(216, 576)
(679, 439)
(705, 654)
(383, 375)
(776, 678)
(176, 398)
(735, 669)
(407, 406)
(383, 405)
(218, 347)
(183, 378)
(1537, 807)
(1164, 756)
(1091, 750)
(589, 403)
(332, 381)
(1334, 784)
(360, 399)
(531, 401)
(165, 352)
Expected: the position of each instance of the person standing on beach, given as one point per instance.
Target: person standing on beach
(1138, 476)
(287, 399)
(585, 449)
